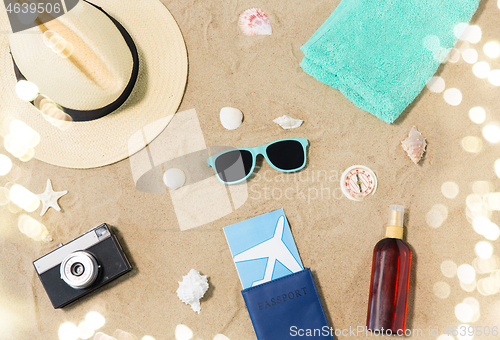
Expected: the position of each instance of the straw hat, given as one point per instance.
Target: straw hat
(94, 71)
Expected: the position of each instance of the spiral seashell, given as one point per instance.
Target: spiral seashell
(192, 288)
(287, 122)
(414, 145)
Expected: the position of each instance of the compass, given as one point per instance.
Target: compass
(357, 182)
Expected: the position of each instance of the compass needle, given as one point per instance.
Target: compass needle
(359, 183)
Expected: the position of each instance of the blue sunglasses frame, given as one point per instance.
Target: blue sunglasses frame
(260, 150)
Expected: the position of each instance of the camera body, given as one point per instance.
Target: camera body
(81, 266)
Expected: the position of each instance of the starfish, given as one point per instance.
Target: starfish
(49, 198)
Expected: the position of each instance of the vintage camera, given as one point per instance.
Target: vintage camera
(81, 266)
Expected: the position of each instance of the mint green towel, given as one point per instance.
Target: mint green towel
(381, 53)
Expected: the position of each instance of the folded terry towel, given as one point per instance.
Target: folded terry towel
(380, 54)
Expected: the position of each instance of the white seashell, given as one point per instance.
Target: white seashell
(230, 117)
(288, 122)
(255, 22)
(192, 288)
(174, 178)
(414, 145)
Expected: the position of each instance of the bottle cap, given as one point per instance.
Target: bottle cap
(395, 222)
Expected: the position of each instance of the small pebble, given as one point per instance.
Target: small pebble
(230, 117)
(174, 178)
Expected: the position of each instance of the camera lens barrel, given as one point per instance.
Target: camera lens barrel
(79, 269)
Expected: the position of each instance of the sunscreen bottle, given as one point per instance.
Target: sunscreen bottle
(390, 278)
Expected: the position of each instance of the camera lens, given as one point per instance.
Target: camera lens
(77, 269)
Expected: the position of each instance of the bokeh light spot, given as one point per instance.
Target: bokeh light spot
(492, 201)
(431, 43)
(449, 268)
(459, 30)
(466, 273)
(26, 90)
(436, 216)
(24, 198)
(472, 34)
(453, 96)
(464, 312)
(148, 337)
(481, 69)
(468, 334)
(4, 196)
(5, 165)
(84, 331)
(477, 115)
(492, 232)
(468, 287)
(494, 77)
(183, 332)
(485, 266)
(445, 337)
(441, 290)
(481, 188)
(453, 55)
(436, 84)
(491, 133)
(449, 189)
(480, 224)
(492, 49)
(484, 249)
(221, 337)
(472, 144)
(68, 331)
(470, 56)
(94, 320)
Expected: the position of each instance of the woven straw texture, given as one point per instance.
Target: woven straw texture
(157, 94)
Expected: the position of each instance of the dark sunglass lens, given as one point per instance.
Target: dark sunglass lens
(286, 155)
(234, 165)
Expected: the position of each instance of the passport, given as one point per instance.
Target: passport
(263, 248)
(287, 308)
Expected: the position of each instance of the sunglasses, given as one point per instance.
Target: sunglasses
(285, 155)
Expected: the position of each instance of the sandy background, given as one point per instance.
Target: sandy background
(335, 237)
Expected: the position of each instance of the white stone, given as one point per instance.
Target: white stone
(230, 117)
(174, 178)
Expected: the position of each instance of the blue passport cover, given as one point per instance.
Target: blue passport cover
(286, 307)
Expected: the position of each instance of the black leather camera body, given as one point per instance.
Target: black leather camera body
(81, 266)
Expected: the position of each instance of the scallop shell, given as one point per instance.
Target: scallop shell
(414, 145)
(288, 122)
(255, 22)
(230, 117)
(192, 288)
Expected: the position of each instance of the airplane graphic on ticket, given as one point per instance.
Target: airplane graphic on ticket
(263, 248)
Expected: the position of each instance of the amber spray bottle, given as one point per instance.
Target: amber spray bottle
(390, 278)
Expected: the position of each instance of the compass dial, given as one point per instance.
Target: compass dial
(357, 182)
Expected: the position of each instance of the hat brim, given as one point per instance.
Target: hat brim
(163, 68)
